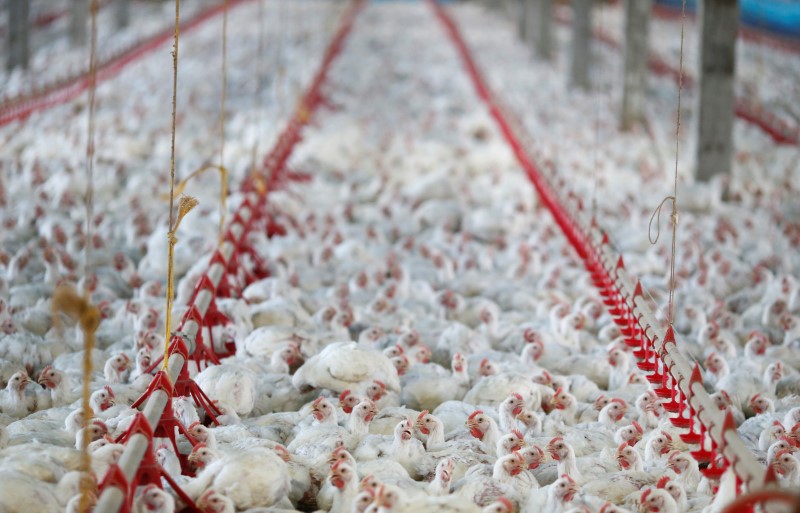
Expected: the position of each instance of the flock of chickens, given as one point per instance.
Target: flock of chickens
(426, 341)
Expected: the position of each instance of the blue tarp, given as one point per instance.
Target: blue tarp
(777, 16)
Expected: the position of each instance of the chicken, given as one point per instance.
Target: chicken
(232, 385)
(787, 466)
(343, 365)
(554, 498)
(654, 500)
(13, 401)
(252, 478)
(19, 493)
(509, 478)
(156, 500)
(425, 387)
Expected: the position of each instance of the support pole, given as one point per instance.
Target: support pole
(18, 34)
(122, 13)
(543, 32)
(581, 43)
(637, 46)
(78, 16)
(522, 10)
(719, 21)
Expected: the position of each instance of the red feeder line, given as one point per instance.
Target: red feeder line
(611, 279)
(21, 107)
(140, 466)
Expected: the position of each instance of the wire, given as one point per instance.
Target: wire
(224, 72)
(674, 215)
(90, 148)
(171, 233)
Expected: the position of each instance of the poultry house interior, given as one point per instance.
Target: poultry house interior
(515, 256)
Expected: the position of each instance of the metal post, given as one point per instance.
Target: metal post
(18, 34)
(78, 17)
(122, 13)
(544, 29)
(719, 21)
(637, 45)
(581, 43)
(522, 18)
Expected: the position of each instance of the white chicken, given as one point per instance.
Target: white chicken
(344, 365)
(252, 478)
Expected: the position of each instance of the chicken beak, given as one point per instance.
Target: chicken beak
(337, 481)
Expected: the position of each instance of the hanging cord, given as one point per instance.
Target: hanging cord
(595, 174)
(94, 7)
(674, 197)
(185, 204)
(224, 71)
(67, 300)
(174, 111)
(255, 176)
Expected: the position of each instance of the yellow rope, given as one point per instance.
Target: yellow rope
(66, 300)
(674, 197)
(90, 139)
(674, 215)
(174, 108)
(259, 92)
(223, 194)
(185, 205)
(171, 234)
(222, 118)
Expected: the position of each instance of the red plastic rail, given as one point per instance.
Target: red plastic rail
(20, 107)
(138, 465)
(675, 380)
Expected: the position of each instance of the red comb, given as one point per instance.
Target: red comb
(622, 446)
(645, 494)
(518, 434)
(556, 439)
(422, 414)
(193, 424)
(777, 423)
(517, 395)
(567, 477)
(559, 390)
(344, 394)
(638, 427)
(199, 446)
(380, 383)
(662, 483)
(476, 412)
(618, 400)
(110, 392)
(505, 502)
(667, 435)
